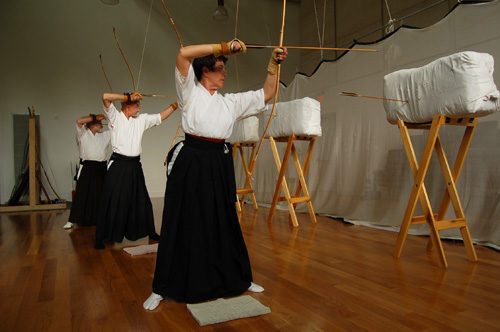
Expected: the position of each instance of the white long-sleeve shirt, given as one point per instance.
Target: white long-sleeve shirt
(126, 134)
(213, 116)
(93, 147)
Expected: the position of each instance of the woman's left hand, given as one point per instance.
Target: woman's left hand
(283, 55)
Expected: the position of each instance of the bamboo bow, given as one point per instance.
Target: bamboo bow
(124, 58)
(130, 71)
(104, 72)
(254, 160)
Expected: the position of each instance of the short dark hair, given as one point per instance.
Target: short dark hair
(206, 61)
(91, 123)
(132, 102)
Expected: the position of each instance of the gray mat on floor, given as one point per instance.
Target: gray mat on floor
(222, 310)
(142, 249)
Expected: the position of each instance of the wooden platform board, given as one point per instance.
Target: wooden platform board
(36, 207)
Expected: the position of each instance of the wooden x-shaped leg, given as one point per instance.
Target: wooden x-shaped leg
(292, 201)
(435, 221)
(248, 187)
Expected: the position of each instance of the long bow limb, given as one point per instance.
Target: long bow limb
(181, 46)
(235, 36)
(124, 58)
(104, 72)
(254, 160)
(144, 44)
(172, 22)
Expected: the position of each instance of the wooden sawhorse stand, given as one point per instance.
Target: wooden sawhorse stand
(301, 171)
(248, 187)
(436, 221)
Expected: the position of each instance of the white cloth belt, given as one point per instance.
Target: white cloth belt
(80, 167)
(174, 156)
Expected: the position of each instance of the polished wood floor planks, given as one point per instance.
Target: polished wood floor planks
(328, 277)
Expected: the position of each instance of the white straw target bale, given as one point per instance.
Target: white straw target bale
(245, 131)
(296, 117)
(458, 85)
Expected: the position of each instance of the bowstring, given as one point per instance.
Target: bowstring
(144, 45)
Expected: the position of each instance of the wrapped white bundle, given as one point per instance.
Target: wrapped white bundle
(296, 117)
(245, 131)
(459, 85)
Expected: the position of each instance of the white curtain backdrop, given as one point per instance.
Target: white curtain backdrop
(359, 170)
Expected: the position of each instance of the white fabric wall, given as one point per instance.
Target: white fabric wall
(49, 59)
(359, 170)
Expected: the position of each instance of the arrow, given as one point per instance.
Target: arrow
(315, 48)
(157, 95)
(353, 94)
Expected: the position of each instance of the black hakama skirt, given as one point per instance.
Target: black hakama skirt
(84, 209)
(202, 254)
(125, 209)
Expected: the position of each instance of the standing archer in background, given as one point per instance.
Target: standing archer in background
(202, 254)
(126, 209)
(94, 147)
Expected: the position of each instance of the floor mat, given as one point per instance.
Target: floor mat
(222, 310)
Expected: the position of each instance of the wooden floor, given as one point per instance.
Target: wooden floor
(326, 278)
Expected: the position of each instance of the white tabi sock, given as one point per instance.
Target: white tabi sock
(255, 288)
(152, 302)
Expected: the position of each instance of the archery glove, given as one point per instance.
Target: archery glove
(226, 48)
(134, 95)
(272, 68)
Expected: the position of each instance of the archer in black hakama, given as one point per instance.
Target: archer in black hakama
(85, 205)
(202, 254)
(94, 147)
(126, 209)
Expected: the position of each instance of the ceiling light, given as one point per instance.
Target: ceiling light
(220, 13)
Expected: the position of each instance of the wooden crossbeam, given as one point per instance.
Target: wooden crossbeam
(244, 191)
